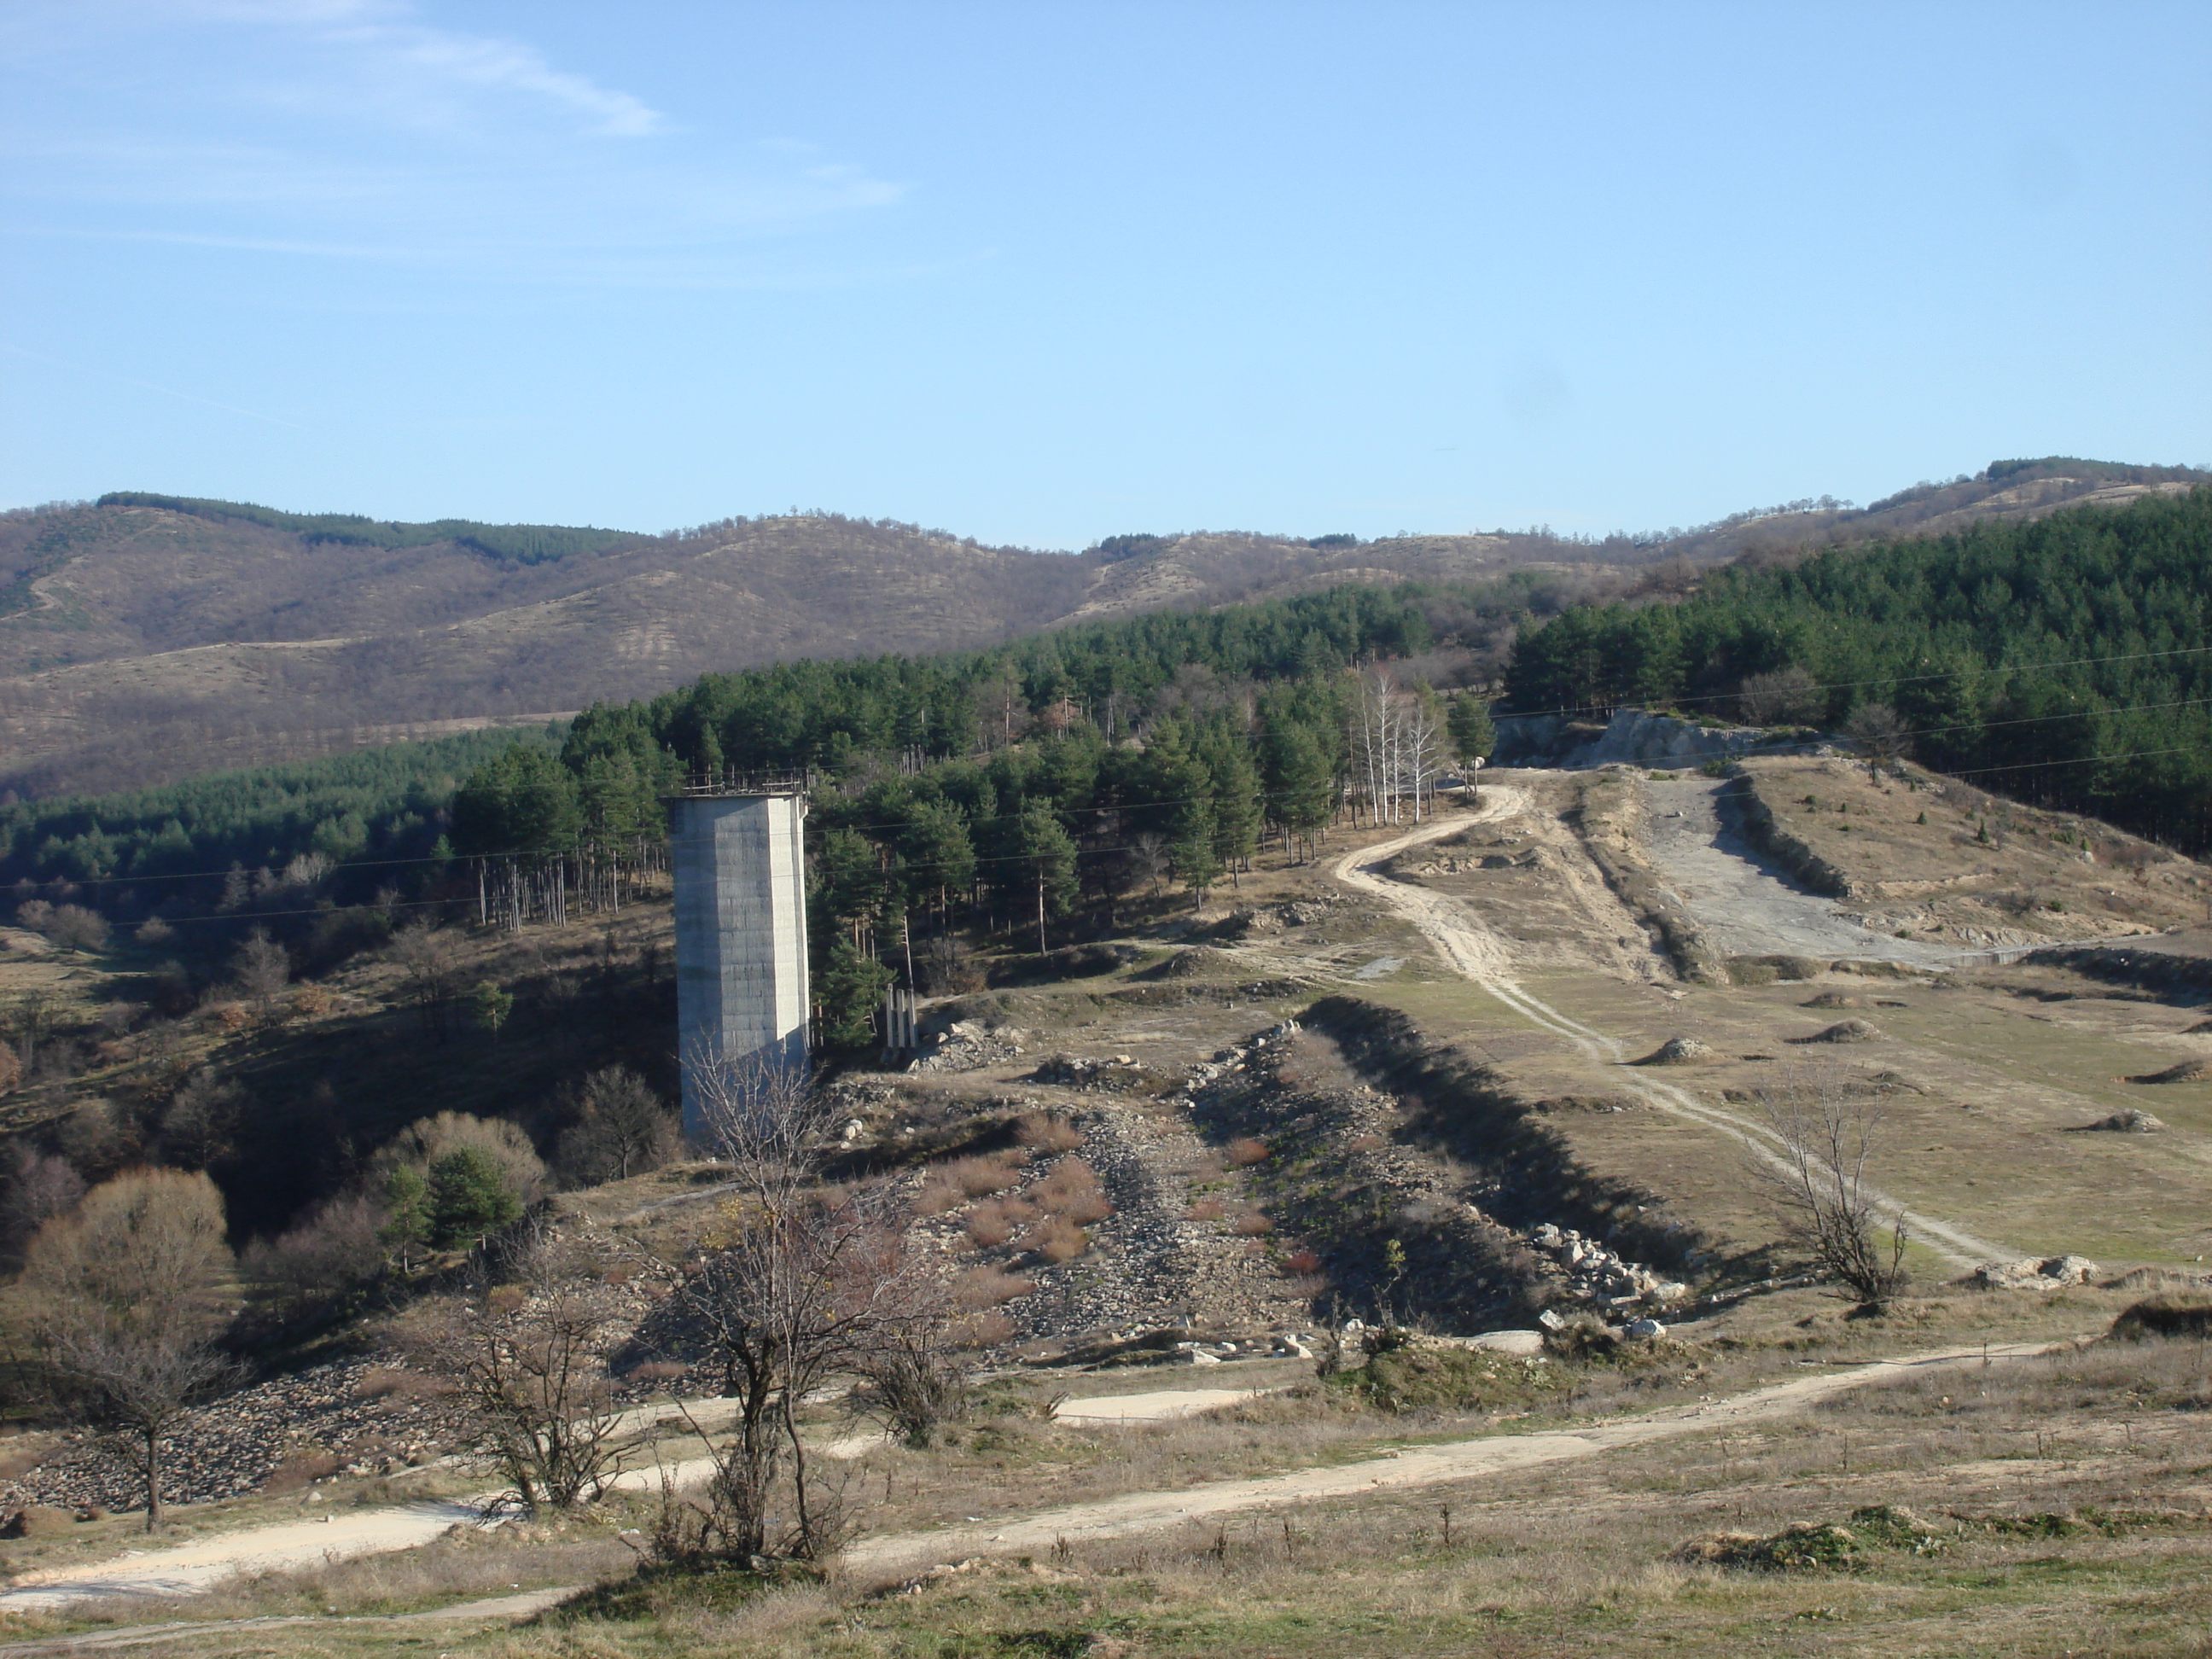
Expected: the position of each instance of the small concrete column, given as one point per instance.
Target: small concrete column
(741, 970)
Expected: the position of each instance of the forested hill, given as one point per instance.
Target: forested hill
(145, 638)
(151, 638)
(2068, 661)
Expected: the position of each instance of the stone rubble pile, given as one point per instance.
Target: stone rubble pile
(2048, 1273)
(1598, 1275)
(366, 1426)
(968, 1046)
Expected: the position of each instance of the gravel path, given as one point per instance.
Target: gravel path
(197, 1566)
(1458, 1459)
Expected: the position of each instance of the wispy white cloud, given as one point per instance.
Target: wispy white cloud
(385, 39)
(355, 130)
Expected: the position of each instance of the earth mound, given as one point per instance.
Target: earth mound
(2132, 1121)
(1844, 1030)
(1197, 961)
(2186, 1071)
(1678, 1051)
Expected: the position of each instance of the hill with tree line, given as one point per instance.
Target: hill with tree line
(146, 638)
(2066, 661)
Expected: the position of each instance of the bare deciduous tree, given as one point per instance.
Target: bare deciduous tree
(800, 1281)
(622, 1128)
(124, 1302)
(1880, 731)
(197, 1123)
(430, 956)
(1399, 740)
(1817, 1179)
(1788, 697)
(263, 969)
(527, 1350)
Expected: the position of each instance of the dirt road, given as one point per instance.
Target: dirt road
(1479, 955)
(1458, 1459)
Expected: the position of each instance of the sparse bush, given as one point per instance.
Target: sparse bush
(78, 928)
(299, 1469)
(996, 1221)
(307, 1267)
(982, 1288)
(1302, 1262)
(1056, 1239)
(1206, 1209)
(1244, 1152)
(1253, 1224)
(1048, 1131)
(1068, 1181)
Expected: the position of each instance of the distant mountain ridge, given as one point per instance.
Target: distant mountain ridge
(145, 638)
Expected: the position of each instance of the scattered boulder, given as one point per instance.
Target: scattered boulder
(2031, 1273)
(1834, 999)
(2198, 1029)
(1844, 1030)
(2132, 1121)
(1523, 1343)
(1646, 1330)
(1678, 1051)
(2187, 1071)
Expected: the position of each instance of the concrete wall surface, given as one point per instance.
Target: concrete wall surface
(741, 967)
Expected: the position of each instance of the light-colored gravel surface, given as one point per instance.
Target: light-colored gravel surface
(1744, 904)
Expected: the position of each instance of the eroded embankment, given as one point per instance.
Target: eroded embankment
(1768, 833)
(2183, 979)
(1609, 817)
(1420, 1178)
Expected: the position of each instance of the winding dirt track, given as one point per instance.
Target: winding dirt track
(1470, 949)
(1427, 1466)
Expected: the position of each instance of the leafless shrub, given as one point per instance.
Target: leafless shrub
(1056, 1238)
(1245, 1152)
(307, 1267)
(301, 1468)
(1788, 697)
(1067, 1183)
(981, 1330)
(1206, 1209)
(396, 1382)
(261, 969)
(1048, 1131)
(77, 927)
(1880, 731)
(621, 1127)
(201, 1117)
(981, 1288)
(993, 1222)
(1817, 1178)
(528, 1360)
(1253, 1224)
(41, 1188)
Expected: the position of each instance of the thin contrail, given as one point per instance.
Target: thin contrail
(148, 386)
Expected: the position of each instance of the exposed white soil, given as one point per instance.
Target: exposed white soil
(1745, 905)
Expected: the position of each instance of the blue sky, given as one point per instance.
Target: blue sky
(1045, 272)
